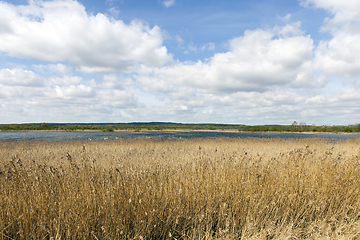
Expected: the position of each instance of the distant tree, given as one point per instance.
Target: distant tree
(302, 125)
(357, 127)
(294, 125)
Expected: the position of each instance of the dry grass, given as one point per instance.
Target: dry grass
(193, 189)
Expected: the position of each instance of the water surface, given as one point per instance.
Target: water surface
(96, 136)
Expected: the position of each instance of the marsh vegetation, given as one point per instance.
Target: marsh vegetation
(189, 189)
(160, 126)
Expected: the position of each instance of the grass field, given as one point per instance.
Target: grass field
(191, 189)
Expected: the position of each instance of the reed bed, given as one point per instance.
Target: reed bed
(186, 189)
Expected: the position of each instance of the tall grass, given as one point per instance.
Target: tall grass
(192, 189)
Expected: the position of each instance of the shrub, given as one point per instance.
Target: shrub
(347, 129)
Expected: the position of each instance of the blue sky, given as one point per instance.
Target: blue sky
(244, 62)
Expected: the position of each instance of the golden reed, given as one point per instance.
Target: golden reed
(188, 189)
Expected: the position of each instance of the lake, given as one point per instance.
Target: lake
(96, 136)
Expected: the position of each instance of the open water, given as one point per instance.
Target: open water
(103, 136)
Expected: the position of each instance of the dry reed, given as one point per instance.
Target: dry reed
(190, 189)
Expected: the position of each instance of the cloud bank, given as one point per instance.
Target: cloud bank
(95, 68)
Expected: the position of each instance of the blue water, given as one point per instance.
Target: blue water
(96, 136)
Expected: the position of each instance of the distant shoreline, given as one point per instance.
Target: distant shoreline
(178, 130)
(179, 127)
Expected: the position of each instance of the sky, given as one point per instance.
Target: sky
(234, 61)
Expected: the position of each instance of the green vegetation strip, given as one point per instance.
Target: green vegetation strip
(137, 127)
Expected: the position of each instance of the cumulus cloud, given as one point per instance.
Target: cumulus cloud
(19, 77)
(336, 56)
(257, 61)
(61, 30)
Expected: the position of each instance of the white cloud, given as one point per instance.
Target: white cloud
(27, 97)
(337, 55)
(117, 98)
(62, 30)
(115, 82)
(168, 3)
(65, 80)
(257, 61)
(58, 68)
(63, 99)
(289, 30)
(19, 77)
(79, 91)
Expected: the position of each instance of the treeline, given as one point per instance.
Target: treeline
(305, 128)
(176, 126)
(113, 127)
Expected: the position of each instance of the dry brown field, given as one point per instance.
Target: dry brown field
(186, 189)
